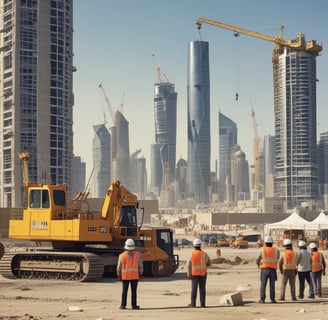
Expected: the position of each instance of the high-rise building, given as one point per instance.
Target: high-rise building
(138, 175)
(239, 175)
(199, 138)
(227, 139)
(181, 179)
(296, 177)
(269, 165)
(78, 175)
(101, 151)
(36, 66)
(156, 176)
(121, 150)
(165, 112)
(323, 162)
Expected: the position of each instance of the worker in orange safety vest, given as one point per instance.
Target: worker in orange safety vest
(129, 270)
(288, 268)
(318, 268)
(267, 261)
(197, 266)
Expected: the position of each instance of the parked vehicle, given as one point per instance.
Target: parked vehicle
(239, 243)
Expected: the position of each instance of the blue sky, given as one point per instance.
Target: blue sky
(114, 41)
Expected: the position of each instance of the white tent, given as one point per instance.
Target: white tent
(319, 223)
(293, 222)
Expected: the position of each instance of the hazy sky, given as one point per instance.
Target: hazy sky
(114, 41)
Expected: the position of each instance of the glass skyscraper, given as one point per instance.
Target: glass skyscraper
(199, 139)
(165, 112)
(227, 139)
(101, 150)
(296, 178)
(36, 101)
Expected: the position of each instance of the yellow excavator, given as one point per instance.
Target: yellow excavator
(84, 245)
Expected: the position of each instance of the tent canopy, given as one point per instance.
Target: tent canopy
(293, 222)
(319, 223)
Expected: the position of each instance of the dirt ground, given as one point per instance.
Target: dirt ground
(159, 298)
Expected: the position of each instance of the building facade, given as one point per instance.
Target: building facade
(227, 139)
(296, 177)
(240, 190)
(199, 138)
(36, 68)
(269, 147)
(101, 154)
(78, 175)
(121, 150)
(165, 113)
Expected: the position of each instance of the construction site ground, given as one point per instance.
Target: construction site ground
(160, 298)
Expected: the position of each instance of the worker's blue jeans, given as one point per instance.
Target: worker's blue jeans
(302, 276)
(316, 278)
(271, 275)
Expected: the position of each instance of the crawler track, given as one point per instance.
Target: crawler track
(77, 266)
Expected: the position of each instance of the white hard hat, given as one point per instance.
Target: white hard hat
(301, 243)
(129, 244)
(268, 239)
(312, 245)
(197, 243)
(287, 242)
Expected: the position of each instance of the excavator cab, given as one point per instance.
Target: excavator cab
(128, 221)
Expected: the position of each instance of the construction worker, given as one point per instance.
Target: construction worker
(288, 268)
(197, 266)
(304, 270)
(267, 261)
(318, 268)
(129, 270)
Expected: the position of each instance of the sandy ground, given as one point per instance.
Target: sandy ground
(159, 298)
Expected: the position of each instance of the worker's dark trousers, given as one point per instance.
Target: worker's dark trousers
(125, 288)
(198, 281)
(302, 276)
(271, 275)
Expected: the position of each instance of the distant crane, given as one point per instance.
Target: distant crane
(297, 44)
(160, 75)
(111, 111)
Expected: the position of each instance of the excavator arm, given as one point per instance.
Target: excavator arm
(116, 197)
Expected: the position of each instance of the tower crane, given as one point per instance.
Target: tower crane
(297, 44)
(160, 75)
(111, 111)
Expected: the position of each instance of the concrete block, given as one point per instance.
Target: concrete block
(232, 299)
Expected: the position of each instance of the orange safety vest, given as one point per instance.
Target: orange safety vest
(316, 261)
(198, 263)
(290, 260)
(269, 258)
(130, 266)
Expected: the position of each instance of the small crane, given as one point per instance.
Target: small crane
(111, 111)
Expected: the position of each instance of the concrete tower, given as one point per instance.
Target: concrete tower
(296, 178)
(36, 68)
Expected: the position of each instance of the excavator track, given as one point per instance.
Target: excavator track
(76, 266)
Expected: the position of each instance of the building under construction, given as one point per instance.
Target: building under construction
(294, 80)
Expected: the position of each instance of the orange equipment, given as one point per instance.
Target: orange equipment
(85, 244)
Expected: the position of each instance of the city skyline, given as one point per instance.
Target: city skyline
(238, 64)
